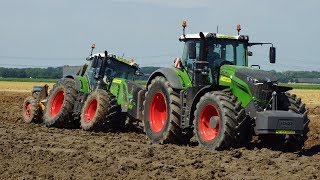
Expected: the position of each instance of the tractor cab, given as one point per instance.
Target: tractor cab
(208, 52)
(216, 50)
(114, 67)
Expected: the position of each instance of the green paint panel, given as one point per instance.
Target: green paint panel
(119, 88)
(84, 84)
(236, 86)
(184, 78)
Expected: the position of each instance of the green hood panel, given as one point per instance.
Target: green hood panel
(246, 83)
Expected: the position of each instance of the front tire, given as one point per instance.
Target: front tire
(100, 108)
(59, 107)
(220, 122)
(162, 111)
(31, 110)
(296, 142)
(288, 102)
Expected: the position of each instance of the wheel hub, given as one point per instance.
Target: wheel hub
(91, 110)
(57, 103)
(214, 121)
(209, 122)
(158, 112)
(28, 110)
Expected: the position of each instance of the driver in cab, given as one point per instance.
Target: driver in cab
(211, 55)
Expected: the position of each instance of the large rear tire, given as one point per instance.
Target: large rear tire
(220, 122)
(100, 108)
(31, 110)
(60, 103)
(162, 111)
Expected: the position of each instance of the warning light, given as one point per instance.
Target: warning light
(184, 24)
(92, 48)
(238, 28)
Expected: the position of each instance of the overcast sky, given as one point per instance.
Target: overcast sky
(42, 33)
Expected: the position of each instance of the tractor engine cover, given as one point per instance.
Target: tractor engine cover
(279, 122)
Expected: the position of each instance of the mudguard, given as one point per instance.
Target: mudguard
(81, 83)
(194, 95)
(169, 74)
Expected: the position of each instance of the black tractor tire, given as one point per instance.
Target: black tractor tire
(295, 142)
(31, 110)
(99, 109)
(162, 111)
(59, 107)
(221, 122)
(116, 120)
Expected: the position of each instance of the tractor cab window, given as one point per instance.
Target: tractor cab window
(225, 51)
(92, 69)
(188, 61)
(120, 70)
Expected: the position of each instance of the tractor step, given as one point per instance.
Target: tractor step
(185, 110)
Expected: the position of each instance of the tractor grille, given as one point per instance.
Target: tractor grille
(262, 91)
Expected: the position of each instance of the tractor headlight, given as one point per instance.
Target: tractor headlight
(252, 80)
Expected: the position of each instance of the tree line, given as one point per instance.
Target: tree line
(56, 73)
(291, 76)
(47, 73)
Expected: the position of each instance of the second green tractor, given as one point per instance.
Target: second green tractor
(103, 94)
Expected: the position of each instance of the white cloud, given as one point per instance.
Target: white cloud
(174, 3)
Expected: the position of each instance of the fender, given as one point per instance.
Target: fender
(169, 74)
(196, 99)
(192, 101)
(81, 82)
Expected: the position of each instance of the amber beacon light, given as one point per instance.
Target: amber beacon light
(238, 28)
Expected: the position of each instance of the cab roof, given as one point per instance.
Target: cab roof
(110, 55)
(213, 35)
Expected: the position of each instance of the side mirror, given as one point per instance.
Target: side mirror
(138, 72)
(192, 50)
(250, 53)
(272, 55)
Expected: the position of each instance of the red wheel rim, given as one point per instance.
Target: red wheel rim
(207, 132)
(158, 112)
(91, 110)
(27, 110)
(57, 103)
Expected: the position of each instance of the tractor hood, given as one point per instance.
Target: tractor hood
(260, 83)
(253, 82)
(248, 74)
(255, 76)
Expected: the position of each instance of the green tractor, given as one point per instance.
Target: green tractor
(212, 93)
(102, 93)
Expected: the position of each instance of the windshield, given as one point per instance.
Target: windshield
(233, 51)
(120, 70)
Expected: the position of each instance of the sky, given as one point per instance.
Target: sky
(43, 33)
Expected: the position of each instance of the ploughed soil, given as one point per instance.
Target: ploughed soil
(35, 151)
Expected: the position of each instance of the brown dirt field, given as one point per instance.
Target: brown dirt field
(29, 151)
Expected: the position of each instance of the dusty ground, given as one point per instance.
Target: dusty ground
(35, 151)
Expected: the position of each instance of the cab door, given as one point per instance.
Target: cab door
(190, 55)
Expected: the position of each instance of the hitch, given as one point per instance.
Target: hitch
(40, 93)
